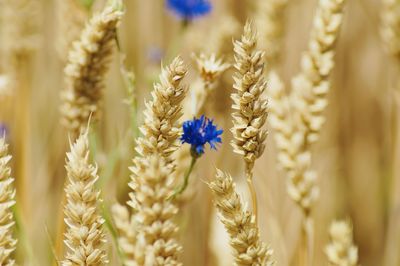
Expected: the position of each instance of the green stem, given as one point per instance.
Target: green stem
(182, 188)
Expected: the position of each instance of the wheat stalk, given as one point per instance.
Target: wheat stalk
(7, 195)
(249, 105)
(152, 183)
(85, 70)
(161, 127)
(239, 223)
(84, 237)
(341, 250)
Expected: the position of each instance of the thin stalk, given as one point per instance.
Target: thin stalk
(252, 190)
(307, 243)
(182, 188)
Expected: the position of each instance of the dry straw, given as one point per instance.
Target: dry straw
(341, 250)
(239, 223)
(7, 195)
(85, 70)
(161, 127)
(152, 184)
(84, 237)
(249, 104)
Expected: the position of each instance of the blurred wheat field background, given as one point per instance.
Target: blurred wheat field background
(83, 120)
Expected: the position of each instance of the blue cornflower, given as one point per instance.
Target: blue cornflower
(189, 9)
(198, 132)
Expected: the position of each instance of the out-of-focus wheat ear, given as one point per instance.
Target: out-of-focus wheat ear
(70, 20)
(86, 68)
(7, 200)
(249, 103)
(20, 29)
(341, 250)
(152, 184)
(289, 139)
(269, 19)
(311, 86)
(240, 224)
(161, 127)
(127, 235)
(84, 238)
(390, 26)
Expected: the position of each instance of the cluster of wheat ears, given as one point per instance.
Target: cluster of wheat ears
(145, 225)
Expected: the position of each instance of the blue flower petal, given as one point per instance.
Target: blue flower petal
(198, 132)
(189, 9)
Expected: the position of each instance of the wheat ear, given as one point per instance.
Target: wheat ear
(161, 127)
(341, 250)
(249, 105)
(126, 226)
(85, 70)
(297, 119)
(152, 184)
(84, 237)
(239, 223)
(289, 140)
(311, 86)
(21, 21)
(7, 195)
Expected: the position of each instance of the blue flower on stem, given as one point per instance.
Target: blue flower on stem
(197, 133)
(189, 9)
